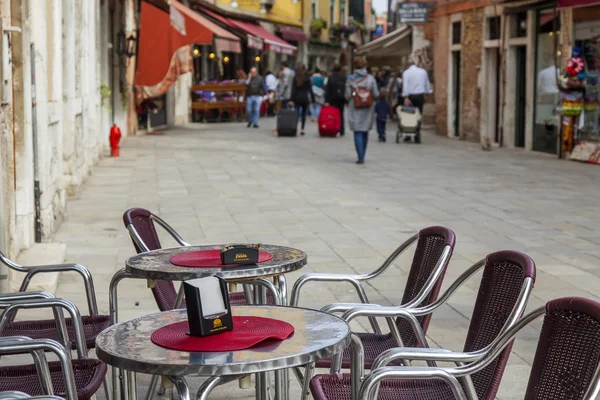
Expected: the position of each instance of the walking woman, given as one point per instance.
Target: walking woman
(335, 92)
(361, 92)
(302, 93)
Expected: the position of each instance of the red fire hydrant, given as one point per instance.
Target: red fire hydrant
(114, 138)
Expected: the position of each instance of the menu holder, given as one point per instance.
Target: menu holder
(240, 254)
(208, 308)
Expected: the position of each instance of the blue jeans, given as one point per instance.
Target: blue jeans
(381, 128)
(315, 110)
(360, 142)
(253, 108)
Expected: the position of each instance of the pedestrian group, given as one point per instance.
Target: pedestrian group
(365, 99)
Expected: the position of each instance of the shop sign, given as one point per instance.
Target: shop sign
(255, 43)
(413, 12)
(281, 50)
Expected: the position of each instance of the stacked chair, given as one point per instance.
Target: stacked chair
(507, 281)
(58, 335)
(434, 247)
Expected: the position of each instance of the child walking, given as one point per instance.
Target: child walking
(382, 111)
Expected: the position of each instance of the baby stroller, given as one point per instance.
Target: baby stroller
(409, 123)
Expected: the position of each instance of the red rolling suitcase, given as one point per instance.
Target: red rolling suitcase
(330, 121)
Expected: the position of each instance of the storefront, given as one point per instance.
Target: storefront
(585, 30)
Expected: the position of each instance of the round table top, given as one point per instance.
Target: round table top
(156, 264)
(317, 335)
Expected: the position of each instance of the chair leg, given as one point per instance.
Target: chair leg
(152, 387)
(309, 371)
(106, 385)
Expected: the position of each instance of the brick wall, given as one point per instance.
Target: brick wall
(441, 53)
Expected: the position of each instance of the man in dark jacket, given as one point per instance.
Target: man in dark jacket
(255, 83)
(335, 91)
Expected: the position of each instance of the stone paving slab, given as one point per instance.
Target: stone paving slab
(224, 183)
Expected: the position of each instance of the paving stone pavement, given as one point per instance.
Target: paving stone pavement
(224, 183)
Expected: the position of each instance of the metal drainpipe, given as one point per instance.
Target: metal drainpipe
(36, 168)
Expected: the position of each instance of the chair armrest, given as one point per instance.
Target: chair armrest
(424, 354)
(80, 269)
(18, 296)
(389, 313)
(323, 277)
(40, 346)
(343, 307)
(56, 305)
(370, 386)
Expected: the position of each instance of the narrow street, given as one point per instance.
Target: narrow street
(222, 183)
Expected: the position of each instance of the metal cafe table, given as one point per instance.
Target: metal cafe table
(156, 265)
(128, 346)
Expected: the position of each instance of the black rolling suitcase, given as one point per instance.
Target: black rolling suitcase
(287, 122)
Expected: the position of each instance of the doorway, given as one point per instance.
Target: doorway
(520, 95)
(456, 92)
(492, 57)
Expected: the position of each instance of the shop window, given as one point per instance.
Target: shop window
(519, 25)
(313, 8)
(546, 119)
(493, 28)
(343, 12)
(456, 32)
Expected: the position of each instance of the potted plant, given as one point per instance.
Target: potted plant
(316, 26)
(358, 26)
(336, 29)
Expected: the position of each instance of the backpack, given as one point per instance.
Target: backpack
(337, 90)
(362, 95)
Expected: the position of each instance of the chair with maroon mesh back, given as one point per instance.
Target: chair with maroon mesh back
(566, 365)
(508, 278)
(93, 324)
(434, 246)
(140, 224)
(78, 378)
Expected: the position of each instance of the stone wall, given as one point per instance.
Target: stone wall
(441, 54)
(471, 58)
(68, 41)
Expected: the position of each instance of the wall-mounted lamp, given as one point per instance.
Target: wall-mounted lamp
(211, 56)
(225, 59)
(234, 4)
(126, 45)
(257, 58)
(196, 52)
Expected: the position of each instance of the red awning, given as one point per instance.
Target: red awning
(162, 34)
(293, 34)
(576, 3)
(272, 42)
(224, 40)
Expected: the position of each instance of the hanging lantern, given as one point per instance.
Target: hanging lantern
(225, 59)
(211, 56)
(257, 58)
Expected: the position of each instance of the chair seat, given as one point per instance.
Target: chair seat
(337, 387)
(23, 378)
(47, 329)
(374, 344)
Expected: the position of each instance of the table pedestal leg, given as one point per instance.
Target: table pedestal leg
(183, 390)
(260, 297)
(212, 383)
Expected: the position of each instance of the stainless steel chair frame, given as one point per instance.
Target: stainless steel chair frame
(354, 279)
(369, 387)
(39, 300)
(20, 395)
(13, 346)
(304, 378)
(31, 271)
(425, 353)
